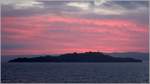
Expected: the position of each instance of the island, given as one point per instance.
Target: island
(76, 57)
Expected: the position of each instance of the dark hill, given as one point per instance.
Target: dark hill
(77, 57)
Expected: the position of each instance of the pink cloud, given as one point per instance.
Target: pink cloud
(57, 34)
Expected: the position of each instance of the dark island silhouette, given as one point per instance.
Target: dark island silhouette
(77, 57)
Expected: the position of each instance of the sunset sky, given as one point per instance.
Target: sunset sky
(54, 27)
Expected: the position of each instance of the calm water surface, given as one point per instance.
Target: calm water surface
(75, 72)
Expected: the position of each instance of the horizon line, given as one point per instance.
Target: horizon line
(75, 52)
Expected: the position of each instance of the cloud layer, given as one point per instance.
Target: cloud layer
(53, 27)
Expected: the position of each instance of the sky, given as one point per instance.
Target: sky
(52, 27)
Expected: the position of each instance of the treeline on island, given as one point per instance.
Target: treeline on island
(76, 57)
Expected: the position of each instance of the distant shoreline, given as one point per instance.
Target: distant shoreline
(87, 57)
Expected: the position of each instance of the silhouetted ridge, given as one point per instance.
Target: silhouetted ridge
(77, 57)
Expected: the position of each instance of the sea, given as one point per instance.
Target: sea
(75, 72)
